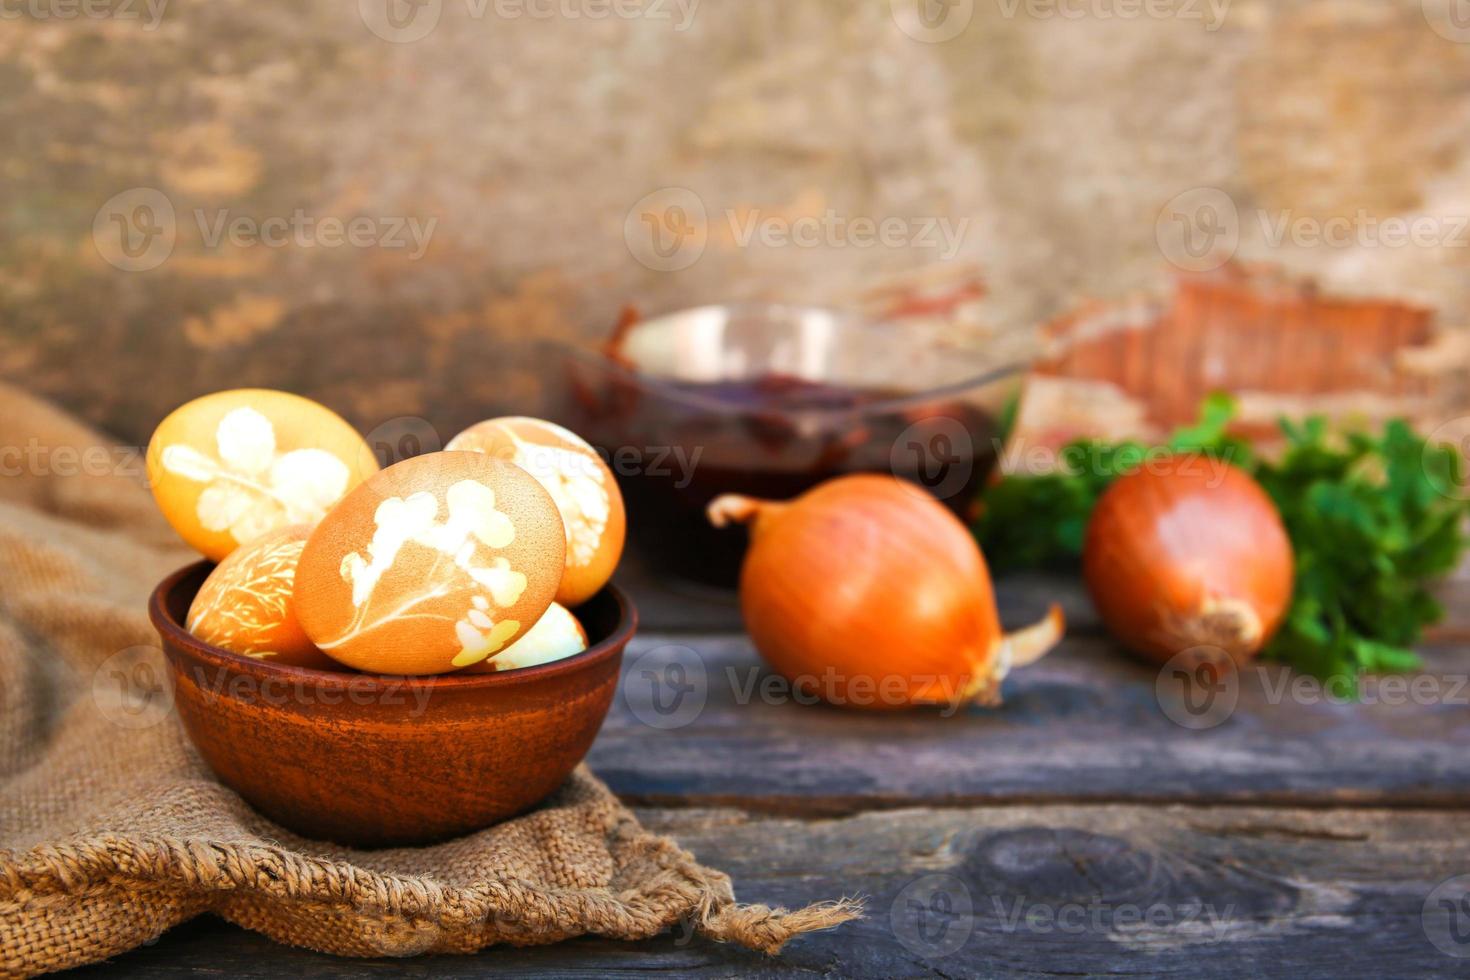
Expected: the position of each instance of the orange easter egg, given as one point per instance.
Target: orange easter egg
(578, 480)
(234, 466)
(556, 636)
(434, 564)
(247, 605)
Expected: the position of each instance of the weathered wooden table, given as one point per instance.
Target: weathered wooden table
(1092, 825)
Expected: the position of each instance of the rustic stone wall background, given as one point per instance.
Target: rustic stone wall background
(1054, 133)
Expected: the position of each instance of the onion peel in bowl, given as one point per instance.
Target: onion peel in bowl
(868, 593)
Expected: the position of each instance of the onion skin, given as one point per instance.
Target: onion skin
(870, 594)
(1188, 555)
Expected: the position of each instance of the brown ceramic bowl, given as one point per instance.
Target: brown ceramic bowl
(374, 761)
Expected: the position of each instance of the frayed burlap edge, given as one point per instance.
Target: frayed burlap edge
(69, 904)
(112, 835)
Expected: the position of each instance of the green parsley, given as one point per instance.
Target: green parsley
(1373, 520)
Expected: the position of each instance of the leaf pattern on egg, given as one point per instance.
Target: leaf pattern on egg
(250, 601)
(251, 489)
(577, 485)
(413, 521)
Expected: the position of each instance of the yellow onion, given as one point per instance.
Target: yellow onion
(868, 593)
(1185, 556)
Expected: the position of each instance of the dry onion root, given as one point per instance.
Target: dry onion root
(1189, 557)
(868, 593)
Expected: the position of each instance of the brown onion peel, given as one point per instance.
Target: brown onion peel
(1233, 625)
(1189, 555)
(1019, 649)
(734, 508)
(866, 582)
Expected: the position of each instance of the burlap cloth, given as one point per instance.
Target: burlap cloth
(113, 831)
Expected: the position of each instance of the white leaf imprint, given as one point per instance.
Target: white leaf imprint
(246, 441)
(251, 490)
(576, 482)
(471, 518)
(190, 463)
(308, 482)
(222, 506)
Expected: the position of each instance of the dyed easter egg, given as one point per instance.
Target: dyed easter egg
(578, 480)
(556, 636)
(247, 604)
(434, 564)
(235, 465)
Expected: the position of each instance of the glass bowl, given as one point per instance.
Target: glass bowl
(769, 400)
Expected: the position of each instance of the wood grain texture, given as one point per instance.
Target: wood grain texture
(1050, 829)
(669, 605)
(1086, 723)
(1032, 892)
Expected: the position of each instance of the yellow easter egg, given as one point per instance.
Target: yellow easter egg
(556, 636)
(247, 604)
(233, 466)
(578, 480)
(434, 564)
